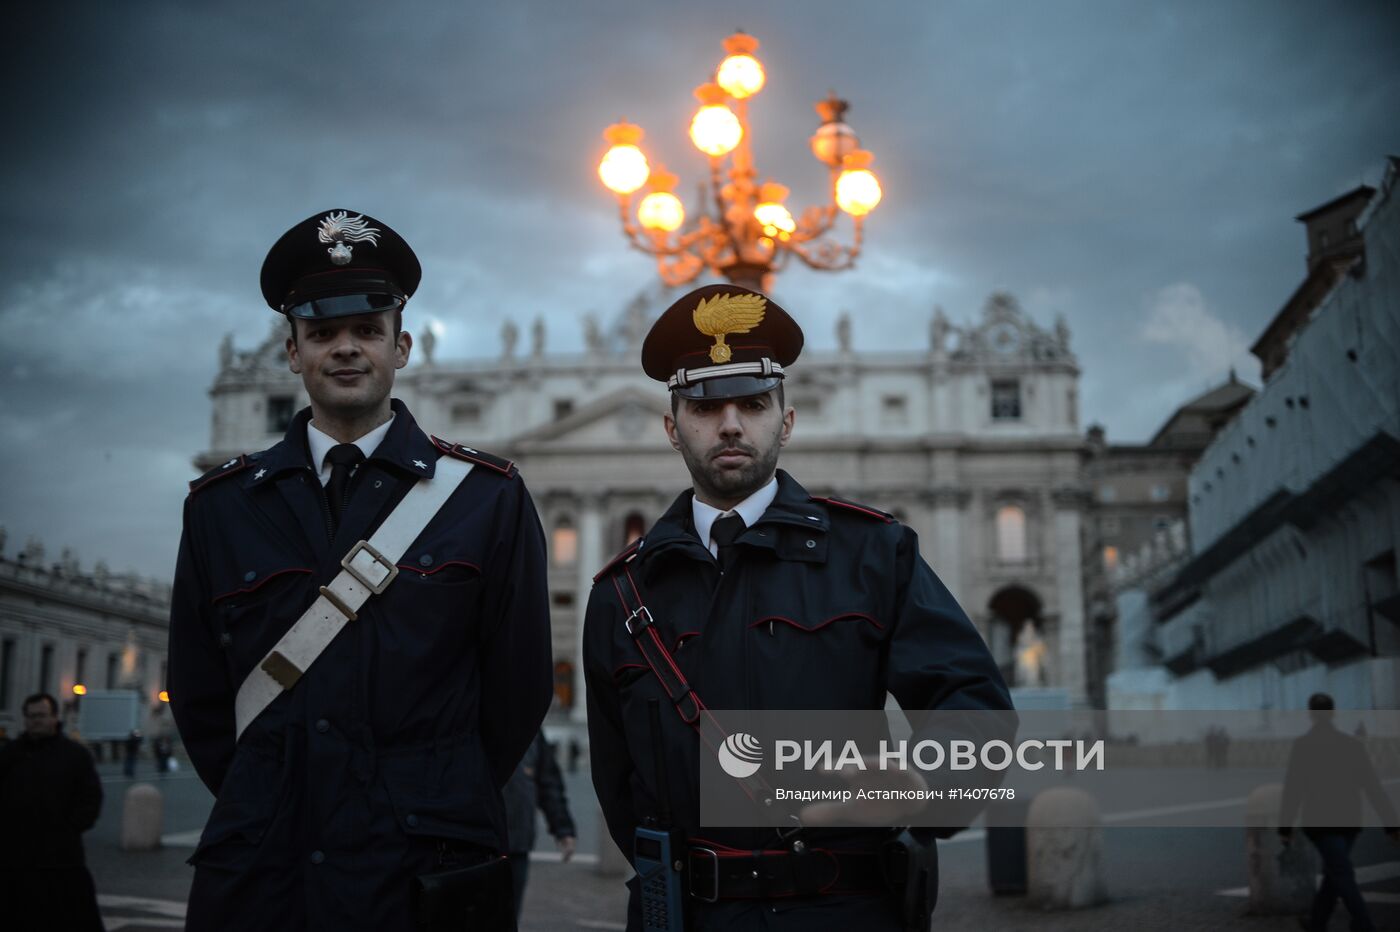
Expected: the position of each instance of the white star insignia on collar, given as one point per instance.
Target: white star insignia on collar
(232, 462)
(260, 473)
(420, 464)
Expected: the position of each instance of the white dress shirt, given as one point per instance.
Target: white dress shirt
(320, 444)
(750, 509)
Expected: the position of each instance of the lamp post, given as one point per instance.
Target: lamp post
(744, 231)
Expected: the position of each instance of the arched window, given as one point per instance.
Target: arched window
(564, 543)
(1011, 534)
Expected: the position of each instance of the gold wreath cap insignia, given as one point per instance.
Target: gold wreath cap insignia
(725, 314)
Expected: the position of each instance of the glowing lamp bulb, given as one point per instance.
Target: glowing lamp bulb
(857, 188)
(79, 689)
(741, 76)
(624, 169)
(661, 211)
(775, 218)
(715, 130)
(163, 696)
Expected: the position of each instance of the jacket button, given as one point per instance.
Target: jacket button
(425, 560)
(225, 639)
(317, 857)
(250, 575)
(811, 545)
(323, 726)
(412, 820)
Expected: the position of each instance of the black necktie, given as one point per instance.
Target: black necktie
(343, 457)
(723, 532)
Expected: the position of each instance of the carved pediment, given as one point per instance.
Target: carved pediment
(628, 417)
(1006, 333)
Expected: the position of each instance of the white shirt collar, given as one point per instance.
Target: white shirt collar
(750, 509)
(320, 444)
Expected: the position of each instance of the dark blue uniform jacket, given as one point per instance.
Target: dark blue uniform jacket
(827, 606)
(402, 733)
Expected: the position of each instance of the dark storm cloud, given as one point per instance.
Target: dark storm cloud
(1134, 167)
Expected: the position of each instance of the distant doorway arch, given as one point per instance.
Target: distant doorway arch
(1017, 636)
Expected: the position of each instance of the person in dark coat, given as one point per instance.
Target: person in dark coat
(767, 597)
(162, 748)
(1328, 774)
(49, 796)
(133, 751)
(383, 758)
(536, 784)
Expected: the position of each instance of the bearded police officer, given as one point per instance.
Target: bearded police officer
(359, 643)
(758, 595)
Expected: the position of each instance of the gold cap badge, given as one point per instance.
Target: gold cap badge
(726, 314)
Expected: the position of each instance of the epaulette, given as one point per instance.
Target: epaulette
(235, 465)
(857, 508)
(627, 553)
(462, 452)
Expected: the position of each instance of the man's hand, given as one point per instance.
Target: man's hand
(866, 812)
(566, 845)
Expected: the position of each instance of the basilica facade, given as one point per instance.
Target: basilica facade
(970, 436)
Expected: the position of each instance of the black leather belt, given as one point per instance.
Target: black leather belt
(719, 873)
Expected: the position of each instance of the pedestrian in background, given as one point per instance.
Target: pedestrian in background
(162, 748)
(133, 749)
(536, 784)
(1328, 773)
(49, 796)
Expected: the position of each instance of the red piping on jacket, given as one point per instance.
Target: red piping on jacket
(844, 615)
(265, 580)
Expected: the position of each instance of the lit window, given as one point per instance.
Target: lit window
(564, 544)
(1011, 534)
(1006, 400)
(635, 526)
(1110, 558)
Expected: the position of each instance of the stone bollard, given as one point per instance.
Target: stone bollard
(1280, 878)
(142, 814)
(1064, 848)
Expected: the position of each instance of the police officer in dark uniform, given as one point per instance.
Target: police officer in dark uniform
(765, 597)
(380, 759)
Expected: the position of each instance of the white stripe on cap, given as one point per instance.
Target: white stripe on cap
(764, 367)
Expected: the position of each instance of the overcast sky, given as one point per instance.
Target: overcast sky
(1135, 167)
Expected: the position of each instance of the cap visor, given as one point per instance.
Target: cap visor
(345, 305)
(734, 386)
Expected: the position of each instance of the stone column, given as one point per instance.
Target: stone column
(590, 560)
(1069, 584)
(949, 542)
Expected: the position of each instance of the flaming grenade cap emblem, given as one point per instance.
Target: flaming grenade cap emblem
(340, 230)
(723, 315)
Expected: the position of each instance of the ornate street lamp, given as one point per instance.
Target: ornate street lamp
(747, 233)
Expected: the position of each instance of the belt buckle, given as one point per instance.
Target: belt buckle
(390, 569)
(645, 619)
(714, 860)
